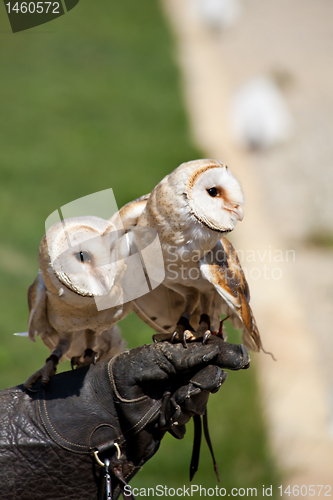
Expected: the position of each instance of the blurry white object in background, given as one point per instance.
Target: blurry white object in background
(217, 14)
(259, 115)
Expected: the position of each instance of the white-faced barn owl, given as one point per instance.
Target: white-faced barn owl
(76, 298)
(260, 117)
(192, 209)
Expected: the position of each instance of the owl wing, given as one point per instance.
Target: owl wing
(161, 309)
(222, 268)
(38, 322)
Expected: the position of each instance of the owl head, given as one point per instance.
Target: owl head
(82, 252)
(215, 196)
(207, 192)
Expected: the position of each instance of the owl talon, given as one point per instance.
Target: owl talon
(204, 330)
(181, 334)
(89, 358)
(75, 362)
(47, 371)
(208, 333)
(187, 335)
(174, 337)
(162, 337)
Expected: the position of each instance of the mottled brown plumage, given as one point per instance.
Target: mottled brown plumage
(221, 267)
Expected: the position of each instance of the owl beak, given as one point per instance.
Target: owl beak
(105, 283)
(238, 211)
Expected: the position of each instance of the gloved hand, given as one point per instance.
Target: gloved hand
(113, 414)
(160, 387)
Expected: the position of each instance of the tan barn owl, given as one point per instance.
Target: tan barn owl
(76, 298)
(192, 209)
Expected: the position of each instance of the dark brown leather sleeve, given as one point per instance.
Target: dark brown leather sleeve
(120, 409)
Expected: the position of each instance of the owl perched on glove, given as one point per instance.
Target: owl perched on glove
(76, 298)
(192, 209)
(83, 267)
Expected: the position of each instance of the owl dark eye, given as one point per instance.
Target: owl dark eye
(212, 192)
(82, 256)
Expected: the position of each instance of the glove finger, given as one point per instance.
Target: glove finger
(209, 378)
(185, 359)
(215, 351)
(232, 357)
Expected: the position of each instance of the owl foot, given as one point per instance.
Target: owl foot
(179, 335)
(47, 371)
(183, 333)
(204, 330)
(89, 358)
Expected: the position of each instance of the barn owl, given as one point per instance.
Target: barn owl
(76, 298)
(192, 209)
(260, 117)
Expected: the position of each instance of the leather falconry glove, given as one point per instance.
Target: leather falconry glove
(87, 432)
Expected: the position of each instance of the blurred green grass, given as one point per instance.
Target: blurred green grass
(93, 101)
